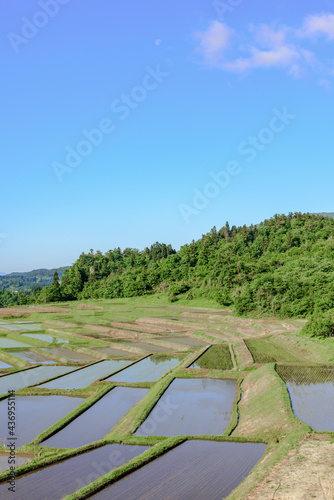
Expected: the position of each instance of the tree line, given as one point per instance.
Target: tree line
(282, 267)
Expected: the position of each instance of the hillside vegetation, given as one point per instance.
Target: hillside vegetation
(283, 267)
(21, 288)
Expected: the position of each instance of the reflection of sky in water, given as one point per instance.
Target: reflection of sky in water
(24, 378)
(86, 376)
(6, 342)
(313, 404)
(21, 325)
(32, 357)
(4, 365)
(148, 370)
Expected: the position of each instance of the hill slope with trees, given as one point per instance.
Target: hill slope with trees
(282, 267)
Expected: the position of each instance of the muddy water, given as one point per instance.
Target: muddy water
(34, 414)
(193, 470)
(148, 370)
(191, 407)
(61, 479)
(45, 338)
(4, 465)
(86, 376)
(311, 392)
(98, 420)
(32, 357)
(4, 365)
(16, 381)
(67, 354)
(8, 343)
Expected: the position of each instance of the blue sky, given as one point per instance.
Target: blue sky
(125, 123)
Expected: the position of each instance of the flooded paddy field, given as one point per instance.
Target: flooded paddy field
(63, 478)
(67, 354)
(110, 351)
(311, 392)
(149, 347)
(4, 365)
(217, 357)
(98, 420)
(194, 469)
(35, 414)
(32, 357)
(8, 343)
(264, 351)
(191, 407)
(148, 370)
(86, 376)
(19, 460)
(24, 378)
(45, 338)
(188, 341)
(20, 325)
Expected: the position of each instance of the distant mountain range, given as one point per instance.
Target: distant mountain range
(25, 281)
(325, 214)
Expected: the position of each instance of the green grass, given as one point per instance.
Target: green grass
(217, 357)
(264, 351)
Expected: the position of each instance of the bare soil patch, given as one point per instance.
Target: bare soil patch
(305, 473)
(84, 307)
(242, 354)
(62, 324)
(17, 312)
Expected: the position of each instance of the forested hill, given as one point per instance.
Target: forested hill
(283, 266)
(26, 281)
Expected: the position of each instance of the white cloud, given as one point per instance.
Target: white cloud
(283, 57)
(317, 25)
(326, 84)
(213, 42)
(268, 36)
(267, 46)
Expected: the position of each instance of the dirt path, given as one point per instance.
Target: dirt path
(305, 473)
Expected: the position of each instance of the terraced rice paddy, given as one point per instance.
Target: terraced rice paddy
(35, 414)
(32, 357)
(195, 469)
(264, 351)
(30, 326)
(217, 357)
(67, 354)
(148, 370)
(98, 420)
(8, 343)
(149, 347)
(45, 338)
(11, 328)
(63, 478)
(188, 341)
(110, 351)
(4, 365)
(20, 325)
(191, 407)
(4, 465)
(85, 376)
(311, 392)
(24, 378)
